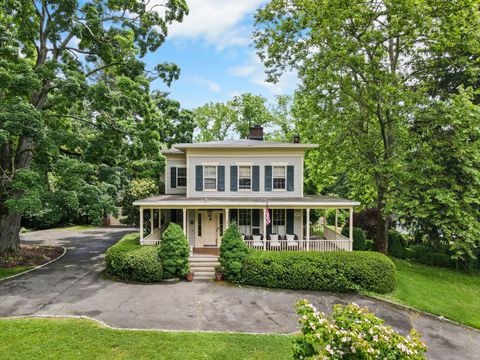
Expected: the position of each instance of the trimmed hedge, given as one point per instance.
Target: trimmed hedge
(329, 271)
(128, 260)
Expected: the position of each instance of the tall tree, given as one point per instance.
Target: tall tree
(50, 52)
(363, 65)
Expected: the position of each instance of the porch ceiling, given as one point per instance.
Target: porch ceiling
(308, 201)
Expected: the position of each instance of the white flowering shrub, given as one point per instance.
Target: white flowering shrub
(351, 332)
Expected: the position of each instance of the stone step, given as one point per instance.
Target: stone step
(204, 275)
(196, 269)
(207, 264)
(203, 258)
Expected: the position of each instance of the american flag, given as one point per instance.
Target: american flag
(267, 216)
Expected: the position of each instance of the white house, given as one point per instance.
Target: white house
(210, 184)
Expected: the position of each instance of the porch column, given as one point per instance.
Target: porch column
(308, 229)
(141, 224)
(350, 228)
(159, 223)
(184, 218)
(336, 222)
(227, 219)
(151, 221)
(265, 228)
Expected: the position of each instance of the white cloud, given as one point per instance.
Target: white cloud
(254, 70)
(218, 22)
(212, 85)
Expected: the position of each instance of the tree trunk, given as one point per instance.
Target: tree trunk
(9, 233)
(381, 243)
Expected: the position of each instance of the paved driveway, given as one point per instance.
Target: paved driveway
(74, 285)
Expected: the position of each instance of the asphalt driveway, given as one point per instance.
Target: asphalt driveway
(74, 285)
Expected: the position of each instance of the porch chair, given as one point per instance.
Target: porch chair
(257, 241)
(292, 241)
(274, 241)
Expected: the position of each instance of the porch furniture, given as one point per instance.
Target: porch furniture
(257, 241)
(291, 241)
(274, 241)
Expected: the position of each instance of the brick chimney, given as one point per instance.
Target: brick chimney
(256, 133)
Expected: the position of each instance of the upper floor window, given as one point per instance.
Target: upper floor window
(245, 177)
(210, 177)
(279, 177)
(181, 177)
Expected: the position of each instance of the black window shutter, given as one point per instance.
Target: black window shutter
(290, 221)
(234, 215)
(256, 178)
(173, 177)
(268, 178)
(221, 177)
(290, 177)
(255, 217)
(198, 178)
(233, 178)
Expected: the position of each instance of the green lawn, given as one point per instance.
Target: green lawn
(5, 272)
(450, 293)
(79, 227)
(83, 339)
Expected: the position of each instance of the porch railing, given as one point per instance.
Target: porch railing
(300, 245)
(153, 238)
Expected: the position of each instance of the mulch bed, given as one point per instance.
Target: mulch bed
(31, 255)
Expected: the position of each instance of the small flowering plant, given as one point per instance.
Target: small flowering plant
(351, 332)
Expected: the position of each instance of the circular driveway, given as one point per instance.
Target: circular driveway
(75, 285)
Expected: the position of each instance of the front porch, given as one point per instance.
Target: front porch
(290, 227)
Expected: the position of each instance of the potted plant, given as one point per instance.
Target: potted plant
(219, 272)
(190, 275)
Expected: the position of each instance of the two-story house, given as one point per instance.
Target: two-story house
(258, 184)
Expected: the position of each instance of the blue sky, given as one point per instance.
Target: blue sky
(214, 50)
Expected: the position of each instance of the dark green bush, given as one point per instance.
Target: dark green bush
(232, 252)
(369, 245)
(358, 237)
(128, 260)
(174, 251)
(396, 244)
(328, 271)
(424, 254)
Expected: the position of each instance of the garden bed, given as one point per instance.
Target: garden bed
(30, 256)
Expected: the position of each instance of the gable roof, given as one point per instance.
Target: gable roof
(242, 144)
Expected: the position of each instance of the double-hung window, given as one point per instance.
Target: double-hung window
(245, 221)
(279, 177)
(279, 221)
(245, 177)
(210, 177)
(181, 177)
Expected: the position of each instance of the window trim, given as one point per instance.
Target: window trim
(238, 177)
(205, 178)
(273, 176)
(181, 186)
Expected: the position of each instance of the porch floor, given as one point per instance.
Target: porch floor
(206, 250)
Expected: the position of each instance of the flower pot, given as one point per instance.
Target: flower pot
(218, 276)
(190, 276)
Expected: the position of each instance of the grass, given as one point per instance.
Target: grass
(6, 272)
(84, 339)
(79, 227)
(446, 292)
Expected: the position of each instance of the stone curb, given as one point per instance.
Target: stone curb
(36, 267)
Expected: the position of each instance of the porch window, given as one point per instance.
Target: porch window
(279, 221)
(245, 221)
(245, 177)
(279, 177)
(181, 177)
(210, 177)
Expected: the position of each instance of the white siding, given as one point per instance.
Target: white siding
(176, 163)
(260, 160)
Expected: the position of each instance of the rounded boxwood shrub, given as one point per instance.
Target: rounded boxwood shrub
(128, 260)
(396, 244)
(329, 271)
(358, 237)
(233, 251)
(174, 251)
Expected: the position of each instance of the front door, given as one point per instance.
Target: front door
(210, 225)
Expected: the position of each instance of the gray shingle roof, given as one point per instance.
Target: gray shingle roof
(243, 143)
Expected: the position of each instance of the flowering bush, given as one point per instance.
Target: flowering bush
(352, 333)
